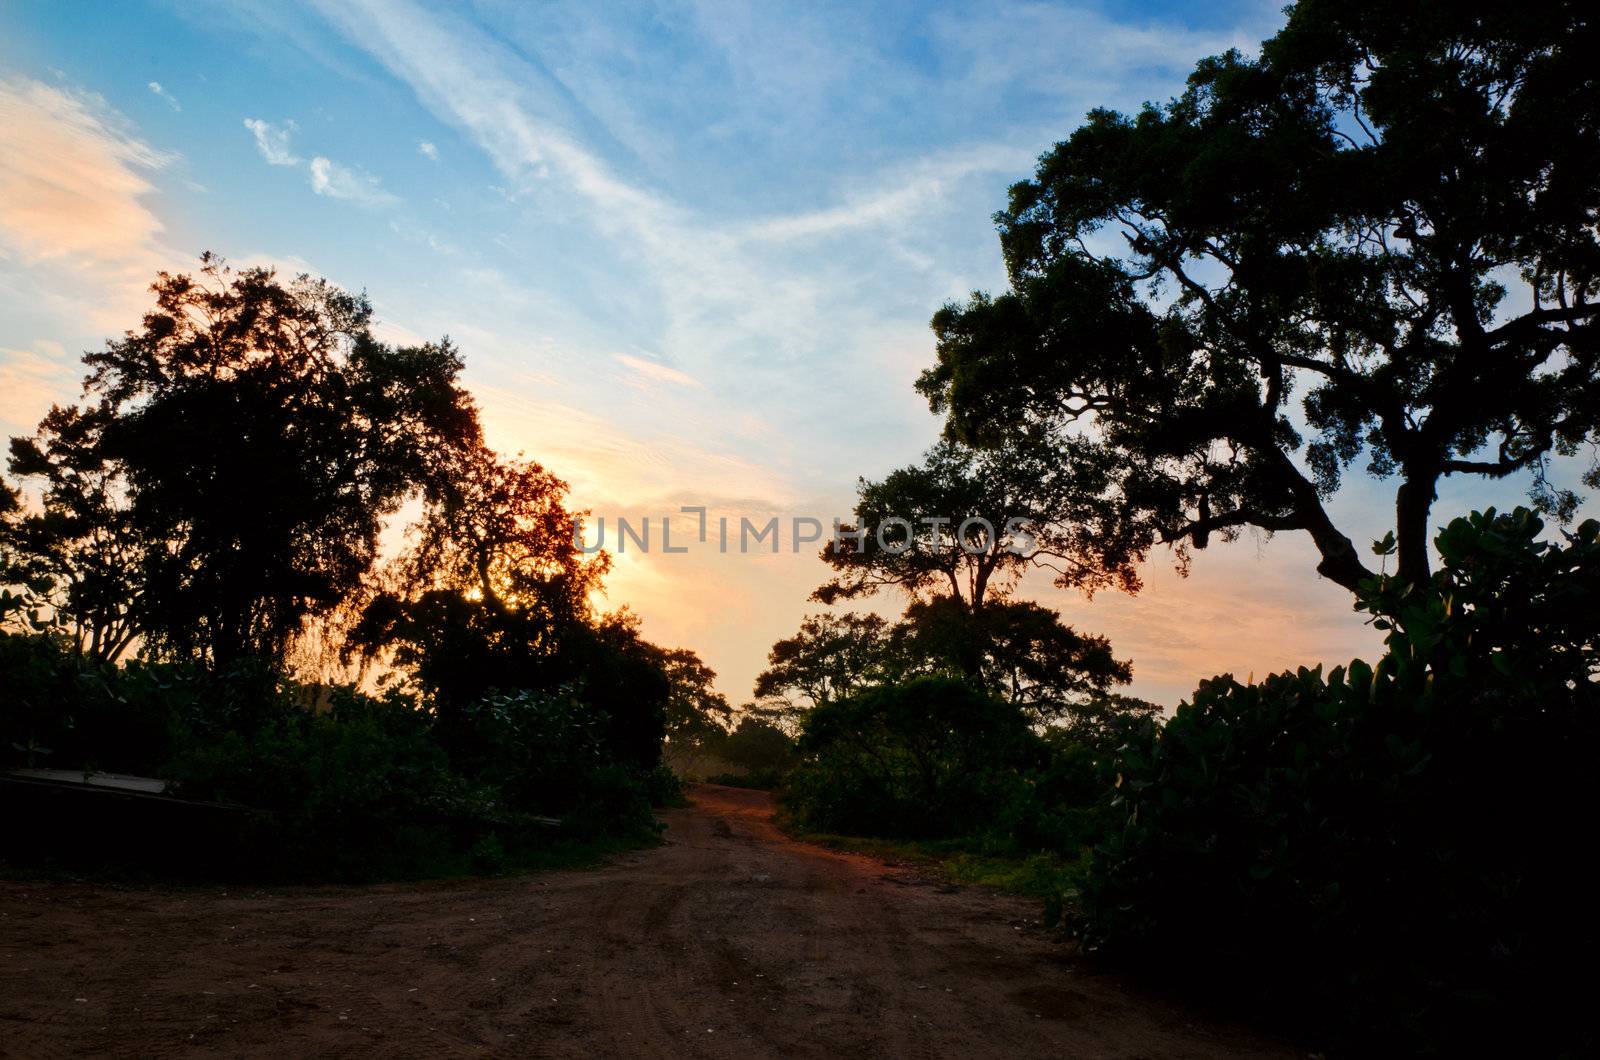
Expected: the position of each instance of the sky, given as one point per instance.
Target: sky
(689, 251)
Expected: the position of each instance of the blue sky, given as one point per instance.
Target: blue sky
(689, 251)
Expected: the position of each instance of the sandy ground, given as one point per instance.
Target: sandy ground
(731, 940)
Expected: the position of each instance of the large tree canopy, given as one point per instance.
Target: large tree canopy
(231, 466)
(1015, 649)
(1376, 241)
(493, 592)
(830, 657)
(967, 523)
(1018, 651)
(695, 709)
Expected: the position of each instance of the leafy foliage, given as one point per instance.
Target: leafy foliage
(230, 469)
(492, 598)
(1388, 215)
(333, 783)
(917, 759)
(695, 709)
(1396, 844)
(1017, 650)
(830, 657)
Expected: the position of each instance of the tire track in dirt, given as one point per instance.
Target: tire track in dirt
(730, 940)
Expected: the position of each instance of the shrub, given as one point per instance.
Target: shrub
(1063, 803)
(49, 697)
(357, 787)
(61, 709)
(536, 748)
(613, 801)
(756, 746)
(928, 758)
(663, 787)
(359, 791)
(1398, 847)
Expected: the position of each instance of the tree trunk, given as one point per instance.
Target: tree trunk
(1413, 502)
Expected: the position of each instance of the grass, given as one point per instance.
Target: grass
(1049, 878)
(758, 780)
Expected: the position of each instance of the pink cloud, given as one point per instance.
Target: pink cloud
(71, 179)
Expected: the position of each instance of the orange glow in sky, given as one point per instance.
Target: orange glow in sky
(688, 263)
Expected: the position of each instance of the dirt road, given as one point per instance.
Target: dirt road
(731, 940)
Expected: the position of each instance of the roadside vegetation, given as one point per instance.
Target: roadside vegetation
(204, 528)
(1369, 249)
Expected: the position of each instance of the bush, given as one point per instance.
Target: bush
(613, 801)
(357, 792)
(51, 700)
(536, 748)
(757, 746)
(929, 758)
(1396, 847)
(663, 787)
(328, 783)
(755, 780)
(937, 759)
(1063, 803)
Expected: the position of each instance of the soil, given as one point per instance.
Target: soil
(730, 940)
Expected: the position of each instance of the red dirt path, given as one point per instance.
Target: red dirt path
(731, 940)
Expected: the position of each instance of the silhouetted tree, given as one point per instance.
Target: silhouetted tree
(830, 657)
(78, 550)
(1017, 650)
(623, 677)
(1388, 218)
(966, 523)
(22, 583)
(695, 709)
(493, 595)
(955, 534)
(757, 744)
(231, 466)
(499, 529)
(493, 588)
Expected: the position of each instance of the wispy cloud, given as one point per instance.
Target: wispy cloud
(656, 371)
(427, 149)
(898, 196)
(76, 226)
(341, 182)
(727, 299)
(328, 178)
(724, 193)
(72, 177)
(273, 141)
(164, 95)
(1077, 52)
(31, 381)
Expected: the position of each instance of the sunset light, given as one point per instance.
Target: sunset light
(824, 521)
